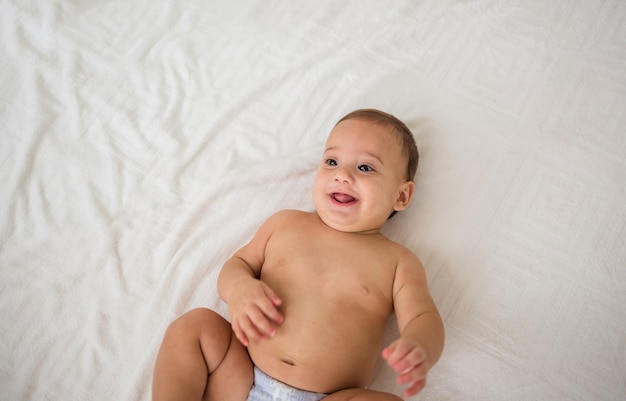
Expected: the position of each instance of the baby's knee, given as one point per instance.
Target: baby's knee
(358, 394)
(376, 396)
(199, 316)
(197, 323)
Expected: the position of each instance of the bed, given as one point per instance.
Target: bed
(142, 143)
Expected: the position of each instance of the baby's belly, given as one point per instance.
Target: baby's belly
(322, 351)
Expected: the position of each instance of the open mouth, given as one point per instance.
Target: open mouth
(343, 199)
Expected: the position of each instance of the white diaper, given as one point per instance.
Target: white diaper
(266, 388)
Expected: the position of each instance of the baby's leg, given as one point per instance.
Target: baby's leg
(200, 359)
(359, 394)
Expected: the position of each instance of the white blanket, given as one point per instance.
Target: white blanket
(143, 142)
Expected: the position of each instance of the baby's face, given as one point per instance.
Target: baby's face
(362, 177)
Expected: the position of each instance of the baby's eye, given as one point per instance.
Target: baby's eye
(365, 168)
(331, 162)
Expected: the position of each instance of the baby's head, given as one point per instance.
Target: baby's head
(391, 122)
(367, 171)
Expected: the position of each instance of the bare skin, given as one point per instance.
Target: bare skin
(310, 294)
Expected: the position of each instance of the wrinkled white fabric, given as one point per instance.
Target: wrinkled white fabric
(142, 143)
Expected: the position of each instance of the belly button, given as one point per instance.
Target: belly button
(288, 361)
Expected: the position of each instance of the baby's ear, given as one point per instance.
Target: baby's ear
(405, 196)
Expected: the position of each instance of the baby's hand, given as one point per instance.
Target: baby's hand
(253, 309)
(408, 359)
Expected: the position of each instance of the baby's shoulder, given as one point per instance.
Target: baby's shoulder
(401, 253)
(290, 219)
(289, 215)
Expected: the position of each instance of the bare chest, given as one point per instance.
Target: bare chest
(337, 268)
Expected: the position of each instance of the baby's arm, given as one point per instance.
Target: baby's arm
(252, 303)
(421, 330)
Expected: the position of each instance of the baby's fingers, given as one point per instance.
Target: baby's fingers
(269, 305)
(240, 334)
(273, 297)
(409, 361)
(269, 312)
(262, 323)
(415, 358)
(415, 388)
(245, 330)
(403, 358)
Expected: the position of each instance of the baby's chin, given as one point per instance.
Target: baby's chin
(349, 227)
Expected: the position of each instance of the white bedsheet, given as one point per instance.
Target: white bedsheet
(142, 142)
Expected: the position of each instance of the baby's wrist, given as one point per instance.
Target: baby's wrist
(234, 285)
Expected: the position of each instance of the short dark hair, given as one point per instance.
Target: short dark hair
(409, 147)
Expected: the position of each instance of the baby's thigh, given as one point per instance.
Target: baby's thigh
(202, 327)
(230, 370)
(359, 394)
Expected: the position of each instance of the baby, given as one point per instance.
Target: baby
(310, 294)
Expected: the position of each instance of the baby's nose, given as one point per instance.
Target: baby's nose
(342, 174)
